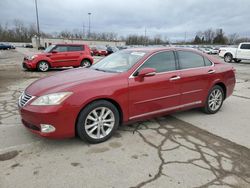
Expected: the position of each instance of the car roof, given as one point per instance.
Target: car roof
(70, 44)
(158, 49)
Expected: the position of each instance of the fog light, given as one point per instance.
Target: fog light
(45, 128)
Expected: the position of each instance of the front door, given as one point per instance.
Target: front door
(158, 93)
(59, 56)
(244, 51)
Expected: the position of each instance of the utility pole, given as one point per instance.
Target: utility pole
(83, 31)
(89, 24)
(37, 24)
(185, 37)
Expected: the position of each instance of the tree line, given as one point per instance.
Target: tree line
(218, 36)
(19, 32)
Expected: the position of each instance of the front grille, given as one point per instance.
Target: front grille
(24, 99)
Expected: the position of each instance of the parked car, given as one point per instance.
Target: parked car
(99, 51)
(6, 46)
(242, 52)
(127, 86)
(28, 46)
(41, 48)
(112, 49)
(60, 55)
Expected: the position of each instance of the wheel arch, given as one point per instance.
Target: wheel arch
(223, 86)
(44, 61)
(229, 53)
(115, 103)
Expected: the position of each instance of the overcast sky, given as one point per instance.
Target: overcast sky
(171, 18)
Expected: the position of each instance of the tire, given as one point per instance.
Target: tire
(90, 125)
(228, 58)
(237, 60)
(43, 66)
(212, 99)
(85, 63)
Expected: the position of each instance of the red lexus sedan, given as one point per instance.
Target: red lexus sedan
(60, 55)
(127, 86)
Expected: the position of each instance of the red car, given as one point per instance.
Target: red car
(99, 51)
(60, 55)
(127, 86)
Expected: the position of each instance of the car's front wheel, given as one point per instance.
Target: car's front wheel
(97, 121)
(228, 58)
(43, 66)
(214, 100)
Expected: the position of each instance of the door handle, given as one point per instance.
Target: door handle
(211, 71)
(175, 78)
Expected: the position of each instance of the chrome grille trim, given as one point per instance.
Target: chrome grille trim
(24, 99)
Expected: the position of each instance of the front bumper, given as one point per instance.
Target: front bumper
(28, 64)
(60, 117)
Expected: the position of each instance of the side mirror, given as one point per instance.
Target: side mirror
(54, 51)
(147, 72)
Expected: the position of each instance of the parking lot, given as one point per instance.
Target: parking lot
(186, 149)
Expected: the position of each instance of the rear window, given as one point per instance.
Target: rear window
(207, 62)
(190, 60)
(75, 48)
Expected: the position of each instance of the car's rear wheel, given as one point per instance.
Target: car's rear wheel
(85, 63)
(43, 66)
(214, 100)
(228, 58)
(97, 121)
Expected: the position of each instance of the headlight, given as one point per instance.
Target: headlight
(32, 57)
(51, 99)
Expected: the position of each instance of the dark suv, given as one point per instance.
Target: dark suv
(60, 55)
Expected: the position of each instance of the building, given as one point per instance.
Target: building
(45, 42)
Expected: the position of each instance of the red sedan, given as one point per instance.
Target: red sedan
(99, 51)
(127, 86)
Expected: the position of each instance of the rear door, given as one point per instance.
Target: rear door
(158, 93)
(196, 73)
(243, 51)
(74, 55)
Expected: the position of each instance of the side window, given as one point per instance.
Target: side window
(61, 48)
(162, 62)
(207, 62)
(75, 48)
(190, 60)
(245, 46)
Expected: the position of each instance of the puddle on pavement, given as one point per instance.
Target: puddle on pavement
(8, 155)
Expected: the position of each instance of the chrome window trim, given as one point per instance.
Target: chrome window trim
(177, 70)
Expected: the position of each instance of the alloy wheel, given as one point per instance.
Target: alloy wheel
(99, 122)
(215, 99)
(43, 66)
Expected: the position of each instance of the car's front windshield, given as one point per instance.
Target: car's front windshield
(119, 62)
(49, 48)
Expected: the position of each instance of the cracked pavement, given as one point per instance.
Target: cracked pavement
(187, 149)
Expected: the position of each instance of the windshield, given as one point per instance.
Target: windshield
(119, 62)
(49, 48)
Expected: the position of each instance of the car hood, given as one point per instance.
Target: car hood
(65, 80)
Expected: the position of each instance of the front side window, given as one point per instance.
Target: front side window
(245, 46)
(190, 60)
(161, 62)
(61, 48)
